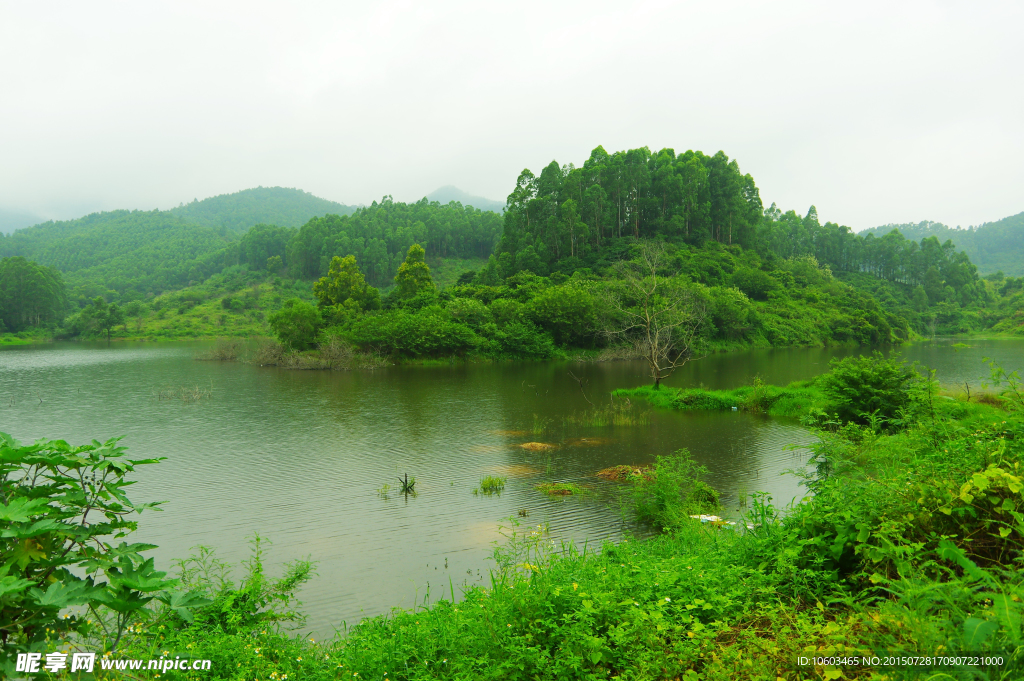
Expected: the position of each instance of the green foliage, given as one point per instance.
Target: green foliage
(380, 235)
(568, 313)
(345, 286)
(672, 492)
(993, 247)
(562, 489)
(30, 294)
(428, 332)
(863, 389)
(413, 276)
(61, 510)
(491, 484)
(296, 324)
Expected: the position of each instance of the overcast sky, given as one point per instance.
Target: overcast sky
(874, 112)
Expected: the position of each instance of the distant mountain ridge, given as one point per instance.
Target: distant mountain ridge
(992, 246)
(241, 210)
(449, 193)
(162, 248)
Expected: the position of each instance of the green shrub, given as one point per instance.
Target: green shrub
(862, 389)
(423, 333)
(296, 324)
(673, 492)
(523, 340)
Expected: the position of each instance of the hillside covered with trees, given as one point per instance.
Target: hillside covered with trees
(993, 246)
(544, 274)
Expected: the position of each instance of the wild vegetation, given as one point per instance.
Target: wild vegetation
(993, 246)
(910, 544)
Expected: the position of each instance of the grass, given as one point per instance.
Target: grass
(794, 400)
(615, 414)
(492, 484)
(562, 489)
(624, 473)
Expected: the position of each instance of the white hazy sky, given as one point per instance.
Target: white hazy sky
(875, 112)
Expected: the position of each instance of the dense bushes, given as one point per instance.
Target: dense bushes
(870, 389)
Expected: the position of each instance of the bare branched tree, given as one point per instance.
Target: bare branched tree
(658, 317)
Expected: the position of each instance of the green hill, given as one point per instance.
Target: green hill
(268, 205)
(120, 250)
(992, 246)
(153, 251)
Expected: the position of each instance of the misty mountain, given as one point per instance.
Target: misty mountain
(11, 220)
(151, 251)
(279, 206)
(448, 193)
(992, 246)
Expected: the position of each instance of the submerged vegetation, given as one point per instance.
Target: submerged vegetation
(492, 484)
(562, 489)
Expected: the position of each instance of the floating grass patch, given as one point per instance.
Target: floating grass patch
(492, 484)
(796, 399)
(615, 414)
(537, 446)
(561, 489)
(509, 433)
(624, 473)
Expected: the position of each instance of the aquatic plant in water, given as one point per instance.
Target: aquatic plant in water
(492, 484)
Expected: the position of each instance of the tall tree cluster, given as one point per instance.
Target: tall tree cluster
(942, 273)
(380, 236)
(30, 294)
(566, 215)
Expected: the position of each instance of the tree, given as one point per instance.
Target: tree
(296, 324)
(30, 294)
(104, 317)
(660, 318)
(413, 275)
(344, 285)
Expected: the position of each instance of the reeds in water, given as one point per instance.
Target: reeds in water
(186, 394)
(612, 415)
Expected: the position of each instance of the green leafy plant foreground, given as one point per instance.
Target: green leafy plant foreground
(62, 508)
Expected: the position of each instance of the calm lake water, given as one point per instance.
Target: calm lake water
(298, 456)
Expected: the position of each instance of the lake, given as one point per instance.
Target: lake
(299, 456)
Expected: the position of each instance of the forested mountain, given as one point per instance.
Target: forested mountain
(448, 193)
(567, 218)
(992, 246)
(769, 275)
(268, 205)
(124, 255)
(123, 251)
(379, 236)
